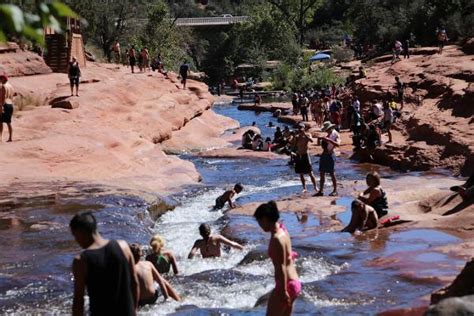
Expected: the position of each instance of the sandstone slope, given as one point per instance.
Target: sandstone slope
(112, 137)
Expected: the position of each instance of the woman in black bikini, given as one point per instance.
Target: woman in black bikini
(374, 195)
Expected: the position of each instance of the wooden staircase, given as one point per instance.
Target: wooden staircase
(57, 57)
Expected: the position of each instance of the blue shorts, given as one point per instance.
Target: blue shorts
(327, 162)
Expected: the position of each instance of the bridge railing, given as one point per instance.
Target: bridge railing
(210, 21)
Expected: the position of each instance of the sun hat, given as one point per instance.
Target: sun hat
(327, 125)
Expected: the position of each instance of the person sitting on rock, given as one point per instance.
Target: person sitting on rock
(267, 144)
(227, 197)
(364, 217)
(247, 139)
(161, 259)
(278, 136)
(466, 191)
(374, 195)
(210, 244)
(257, 142)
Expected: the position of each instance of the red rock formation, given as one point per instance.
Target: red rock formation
(14, 62)
(113, 136)
(437, 123)
(463, 285)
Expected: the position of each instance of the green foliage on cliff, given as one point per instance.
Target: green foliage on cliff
(26, 22)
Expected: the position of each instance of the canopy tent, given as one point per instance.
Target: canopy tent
(320, 57)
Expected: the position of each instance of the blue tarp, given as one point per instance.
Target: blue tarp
(320, 57)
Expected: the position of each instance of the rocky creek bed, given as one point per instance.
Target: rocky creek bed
(341, 274)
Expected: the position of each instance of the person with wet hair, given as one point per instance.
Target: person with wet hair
(147, 275)
(374, 195)
(162, 259)
(364, 217)
(288, 285)
(106, 268)
(227, 196)
(210, 244)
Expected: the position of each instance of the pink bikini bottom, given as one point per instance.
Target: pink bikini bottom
(293, 287)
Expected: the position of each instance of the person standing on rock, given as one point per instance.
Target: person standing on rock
(400, 91)
(6, 106)
(388, 120)
(304, 108)
(117, 52)
(183, 72)
(406, 49)
(442, 38)
(106, 268)
(132, 58)
(327, 161)
(74, 74)
(302, 158)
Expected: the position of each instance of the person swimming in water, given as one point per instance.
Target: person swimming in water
(210, 244)
(288, 285)
(364, 217)
(147, 274)
(227, 197)
(163, 260)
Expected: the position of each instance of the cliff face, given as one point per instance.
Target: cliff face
(112, 135)
(437, 126)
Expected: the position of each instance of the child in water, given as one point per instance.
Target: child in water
(364, 217)
(227, 197)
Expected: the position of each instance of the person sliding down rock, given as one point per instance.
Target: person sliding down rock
(210, 244)
(227, 197)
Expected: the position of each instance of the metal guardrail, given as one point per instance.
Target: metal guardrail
(210, 21)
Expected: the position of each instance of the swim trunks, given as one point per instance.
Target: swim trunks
(219, 203)
(149, 301)
(303, 164)
(6, 116)
(74, 81)
(327, 163)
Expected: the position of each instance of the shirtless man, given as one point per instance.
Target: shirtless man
(6, 106)
(302, 159)
(106, 268)
(227, 197)
(210, 245)
(147, 274)
(363, 217)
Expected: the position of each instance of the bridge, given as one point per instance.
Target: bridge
(210, 21)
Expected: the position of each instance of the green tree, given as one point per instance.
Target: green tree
(298, 12)
(15, 22)
(109, 20)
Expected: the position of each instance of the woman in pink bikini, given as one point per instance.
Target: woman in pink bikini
(288, 285)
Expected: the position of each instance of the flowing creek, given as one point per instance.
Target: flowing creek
(341, 274)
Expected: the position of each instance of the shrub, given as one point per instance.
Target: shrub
(299, 77)
(342, 54)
